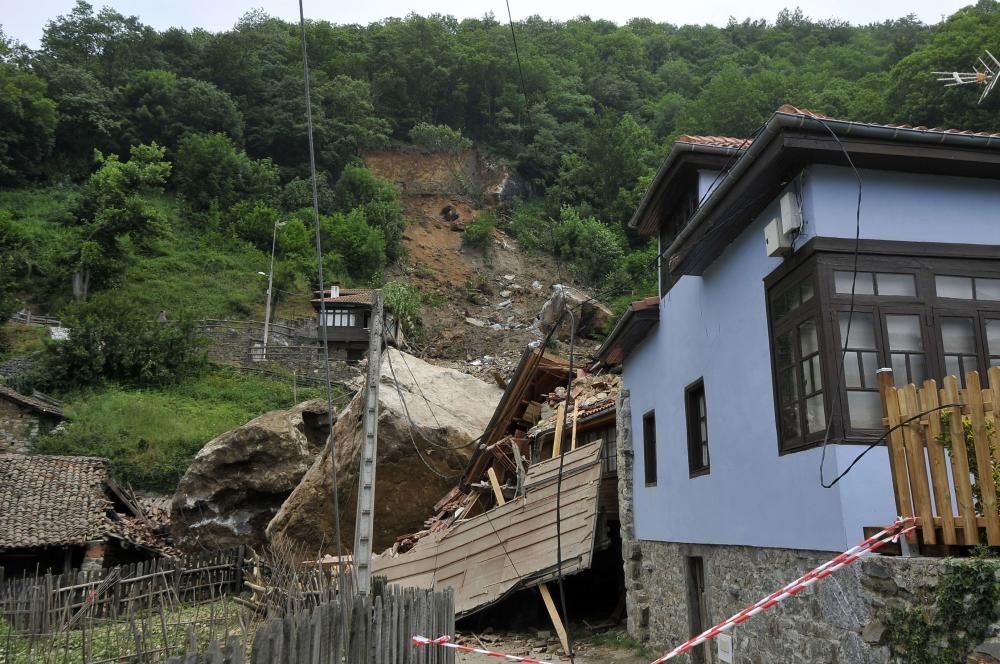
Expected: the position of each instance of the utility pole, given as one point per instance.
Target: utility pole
(363, 527)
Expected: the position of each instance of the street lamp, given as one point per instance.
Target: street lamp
(270, 283)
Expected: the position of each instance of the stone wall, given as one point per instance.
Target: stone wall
(839, 620)
(19, 426)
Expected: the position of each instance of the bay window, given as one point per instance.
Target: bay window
(923, 317)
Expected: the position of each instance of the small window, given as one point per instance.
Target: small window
(340, 318)
(884, 284)
(697, 428)
(649, 446)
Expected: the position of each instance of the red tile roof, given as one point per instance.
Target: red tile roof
(348, 296)
(789, 109)
(52, 500)
(715, 141)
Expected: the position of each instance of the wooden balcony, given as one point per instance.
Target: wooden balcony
(944, 457)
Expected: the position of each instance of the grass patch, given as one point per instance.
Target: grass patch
(150, 436)
(619, 639)
(19, 340)
(116, 641)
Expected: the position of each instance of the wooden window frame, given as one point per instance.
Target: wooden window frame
(695, 445)
(823, 257)
(649, 447)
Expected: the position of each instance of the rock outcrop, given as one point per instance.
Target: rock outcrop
(238, 480)
(416, 465)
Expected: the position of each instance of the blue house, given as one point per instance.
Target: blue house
(743, 371)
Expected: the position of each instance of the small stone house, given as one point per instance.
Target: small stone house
(795, 264)
(63, 512)
(22, 419)
(345, 313)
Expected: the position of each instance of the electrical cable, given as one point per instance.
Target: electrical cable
(850, 319)
(517, 55)
(559, 477)
(885, 435)
(322, 302)
(413, 426)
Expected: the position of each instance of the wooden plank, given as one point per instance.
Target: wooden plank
(960, 463)
(916, 463)
(560, 423)
(550, 606)
(495, 483)
(897, 456)
(984, 460)
(938, 466)
(576, 412)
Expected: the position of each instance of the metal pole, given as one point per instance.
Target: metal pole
(270, 282)
(366, 477)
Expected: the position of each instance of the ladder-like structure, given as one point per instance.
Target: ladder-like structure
(364, 525)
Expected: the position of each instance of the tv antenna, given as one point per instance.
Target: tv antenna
(985, 73)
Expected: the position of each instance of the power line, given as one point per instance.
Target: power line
(517, 55)
(322, 303)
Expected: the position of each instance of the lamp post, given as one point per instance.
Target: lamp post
(270, 283)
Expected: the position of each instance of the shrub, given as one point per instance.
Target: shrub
(111, 338)
(593, 248)
(212, 172)
(378, 200)
(438, 138)
(360, 247)
(403, 300)
(532, 228)
(297, 195)
(479, 233)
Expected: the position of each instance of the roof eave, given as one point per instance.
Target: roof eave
(669, 169)
(781, 121)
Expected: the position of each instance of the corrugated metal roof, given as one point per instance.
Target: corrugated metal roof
(512, 546)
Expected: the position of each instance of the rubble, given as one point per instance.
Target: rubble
(422, 448)
(238, 480)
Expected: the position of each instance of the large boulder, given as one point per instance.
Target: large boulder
(237, 481)
(592, 317)
(416, 464)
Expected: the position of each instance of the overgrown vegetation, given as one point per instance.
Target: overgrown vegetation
(438, 138)
(479, 233)
(966, 604)
(404, 301)
(945, 438)
(151, 435)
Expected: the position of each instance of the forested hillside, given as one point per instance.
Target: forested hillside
(584, 116)
(145, 171)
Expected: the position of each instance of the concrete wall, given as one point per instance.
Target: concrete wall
(714, 327)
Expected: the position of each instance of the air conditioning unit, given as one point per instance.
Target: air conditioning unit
(791, 214)
(778, 244)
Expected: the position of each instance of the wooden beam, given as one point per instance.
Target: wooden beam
(560, 422)
(495, 483)
(557, 622)
(576, 412)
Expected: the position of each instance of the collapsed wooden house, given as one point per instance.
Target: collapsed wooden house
(495, 532)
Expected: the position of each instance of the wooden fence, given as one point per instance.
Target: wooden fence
(207, 611)
(41, 604)
(944, 457)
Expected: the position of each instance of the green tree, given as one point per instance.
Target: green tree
(27, 125)
(113, 214)
(359, 248)
(211, 172)
(378, 201)
(87, 119)
(161, 107)
(593, 248)
(113, 339)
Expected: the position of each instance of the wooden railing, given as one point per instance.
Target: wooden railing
(944, 456)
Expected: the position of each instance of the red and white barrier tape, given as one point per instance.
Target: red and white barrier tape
(890, 534)
(445, 642)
